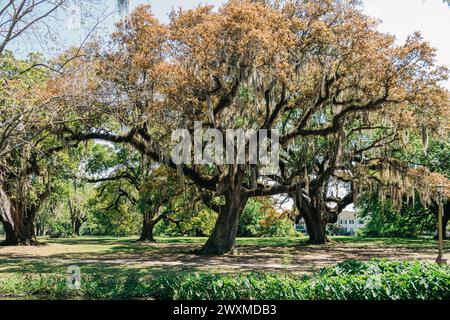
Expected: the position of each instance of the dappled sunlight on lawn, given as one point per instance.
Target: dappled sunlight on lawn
(111, 254)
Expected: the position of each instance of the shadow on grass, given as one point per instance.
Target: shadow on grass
(105, 240)
(30, 266)
(111, 255)
(90, 240)
(419, 242)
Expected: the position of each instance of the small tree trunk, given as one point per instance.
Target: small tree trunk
(76, 216)
(77, 226)
(223, 236)
(40, 229)
(147, 229)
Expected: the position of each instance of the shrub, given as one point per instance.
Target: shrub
(349, 280)
(382, 280)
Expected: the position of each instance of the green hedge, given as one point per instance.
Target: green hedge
(373, 280)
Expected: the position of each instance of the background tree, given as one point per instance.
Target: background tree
(129, 178)
(381, 221)
(191, 219)
(261, 219)
(28, 182)
(78, 213)
(66, 209)
(19, 17)
(415, 213)
(26, 116)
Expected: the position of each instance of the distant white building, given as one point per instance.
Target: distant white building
(349, 222)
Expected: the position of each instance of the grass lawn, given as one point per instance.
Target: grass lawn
(95, 254)
(125, 257)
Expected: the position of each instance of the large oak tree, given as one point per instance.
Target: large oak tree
(338, 91)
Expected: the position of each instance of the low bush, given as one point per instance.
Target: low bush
(349, 280)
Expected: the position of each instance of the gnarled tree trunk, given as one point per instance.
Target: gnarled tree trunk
(315, 224)
(316, 214)
(223, 236)
(17, 221)
(19, 229)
